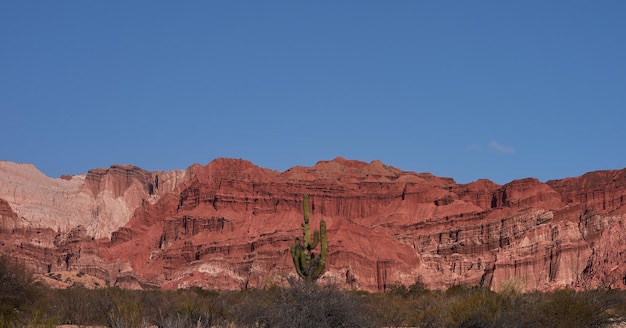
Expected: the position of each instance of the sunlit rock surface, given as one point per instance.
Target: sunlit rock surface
(229, 225)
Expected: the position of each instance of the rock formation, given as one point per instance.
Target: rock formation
(102, 200)
(230, 225)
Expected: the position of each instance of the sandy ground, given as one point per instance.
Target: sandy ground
(65, 279)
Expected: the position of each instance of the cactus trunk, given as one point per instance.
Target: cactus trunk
(309, 266)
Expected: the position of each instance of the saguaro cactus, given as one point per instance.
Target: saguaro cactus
(309, 266)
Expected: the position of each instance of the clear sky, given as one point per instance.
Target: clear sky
(463, 89)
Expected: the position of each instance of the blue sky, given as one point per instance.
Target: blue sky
(464, 89)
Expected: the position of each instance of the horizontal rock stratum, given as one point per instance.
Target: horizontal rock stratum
(229, 225)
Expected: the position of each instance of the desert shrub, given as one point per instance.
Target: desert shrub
(418, 288)
(478, 307)
(398, 289)
(389, 309)
(302, 305)
(254, 306)
(571, 309)
(616, 303)
(518, 311)
(401, 308)
(81, 306)
(404, 306)
(115, 307)
(188, 308)
(471, 307)
(16, 288)
(23, 301)
(126, 309)
(111, 307)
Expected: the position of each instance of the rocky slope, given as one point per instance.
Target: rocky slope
(229, 225)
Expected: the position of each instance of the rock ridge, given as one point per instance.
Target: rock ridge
(229, 225)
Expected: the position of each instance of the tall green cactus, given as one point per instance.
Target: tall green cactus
(309, 266)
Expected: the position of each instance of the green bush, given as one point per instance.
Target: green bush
(472, 307)
(570, 309)
(188, 308)
(302, 305)
(79, 305)
(466, 306)
(23, 301)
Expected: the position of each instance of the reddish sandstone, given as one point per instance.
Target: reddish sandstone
(229, 225)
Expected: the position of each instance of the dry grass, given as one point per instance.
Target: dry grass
(66, 279)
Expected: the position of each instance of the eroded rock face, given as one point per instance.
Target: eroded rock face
(229, 225)
(101, 201)
(8, 218)
(601, 190)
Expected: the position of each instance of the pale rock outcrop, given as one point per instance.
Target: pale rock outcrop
(101, 200)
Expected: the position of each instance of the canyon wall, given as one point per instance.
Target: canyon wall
(101, 201)
(229, 225)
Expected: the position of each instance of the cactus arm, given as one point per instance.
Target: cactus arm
(303, 263)
(316, 237)
(324, 251)
(295, 256)
(305, 226)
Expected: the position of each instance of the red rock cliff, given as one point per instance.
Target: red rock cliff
(229, 224)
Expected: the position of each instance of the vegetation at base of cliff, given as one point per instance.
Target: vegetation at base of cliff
(25, 303)
(468, 306)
